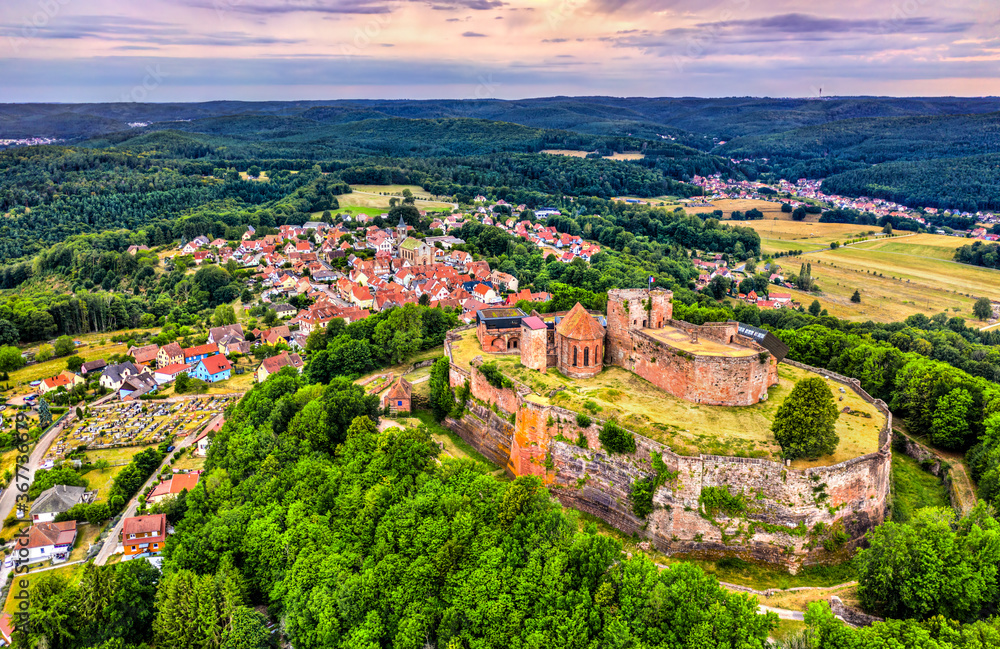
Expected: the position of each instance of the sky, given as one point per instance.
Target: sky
(199, 50)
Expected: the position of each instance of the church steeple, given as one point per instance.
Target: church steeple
(400, 230)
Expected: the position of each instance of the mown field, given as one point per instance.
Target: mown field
(377, 197)
(786, 235)
(897, 278)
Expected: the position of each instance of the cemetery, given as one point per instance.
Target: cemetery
(136, 423)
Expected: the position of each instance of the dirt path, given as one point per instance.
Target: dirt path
(963, 491)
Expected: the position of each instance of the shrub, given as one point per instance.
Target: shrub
(494, 376)
(582, 420)
(719, 499)
(642, 497)
(616, 439)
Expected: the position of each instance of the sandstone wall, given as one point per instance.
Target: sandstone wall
(712, 380)
(783, 505)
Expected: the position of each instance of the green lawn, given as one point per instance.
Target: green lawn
(454, 446)
(914, 488)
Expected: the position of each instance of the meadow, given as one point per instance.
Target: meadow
(376, 197)
(896, 278)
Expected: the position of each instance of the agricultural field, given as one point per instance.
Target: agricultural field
(786, 235)
(771, 209)
(624, 155)
(376, 197)
(687, 428)
(897, 278)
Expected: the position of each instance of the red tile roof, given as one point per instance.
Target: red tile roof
(533, 322)
(176, 484)
(156, 523)
(216, 364)
(44, 534)
(580, 325)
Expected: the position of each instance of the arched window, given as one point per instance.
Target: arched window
(586, 356)
(574, 355)
(597, 354)
(643, 324)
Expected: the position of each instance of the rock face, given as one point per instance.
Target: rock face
(785, 515)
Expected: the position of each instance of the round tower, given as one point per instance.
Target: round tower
(579, 344)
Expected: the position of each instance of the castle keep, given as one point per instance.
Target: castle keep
(720, 364)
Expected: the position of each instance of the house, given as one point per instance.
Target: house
(201, 444)
(505, 281)
(135, 386)
(93, 366)
(217, 333)
(195, 354)
(212, 369)
(170, 354)
(170, 372)
(780, 298)
(274, 364)
(114, 375)
(64, 379)
(143, 535)
(399, 396)
(361, 297)
(143, 355)
(285, 310)
(51, 541)
(55, 500)
(133, 249)
(173, 487)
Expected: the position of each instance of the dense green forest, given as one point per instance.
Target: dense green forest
(967, 183)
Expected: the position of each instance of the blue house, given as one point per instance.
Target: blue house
(212, 369)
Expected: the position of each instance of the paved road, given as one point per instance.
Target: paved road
(26, 475)
(782, 613)
(111, 540)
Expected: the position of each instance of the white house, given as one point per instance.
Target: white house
(55, 500)
(48, 541)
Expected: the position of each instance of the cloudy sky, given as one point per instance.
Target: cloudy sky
(192, 50)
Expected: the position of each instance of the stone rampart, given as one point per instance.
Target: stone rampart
(786, 514)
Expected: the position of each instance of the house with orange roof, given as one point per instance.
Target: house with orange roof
(173, 487)
(361, 297)
(64, 379)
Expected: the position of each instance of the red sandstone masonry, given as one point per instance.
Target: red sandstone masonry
(599, 483)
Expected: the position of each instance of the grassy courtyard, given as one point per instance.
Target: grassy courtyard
(687, 428)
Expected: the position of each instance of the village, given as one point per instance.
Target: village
(718, 188)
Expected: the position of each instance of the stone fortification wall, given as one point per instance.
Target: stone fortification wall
(788, 513)
(713, 380)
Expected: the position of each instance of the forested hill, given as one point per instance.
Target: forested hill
(641, 116)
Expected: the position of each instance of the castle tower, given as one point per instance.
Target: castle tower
(661, 307)
(626, 313)
(579, 344)
(534, 343)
